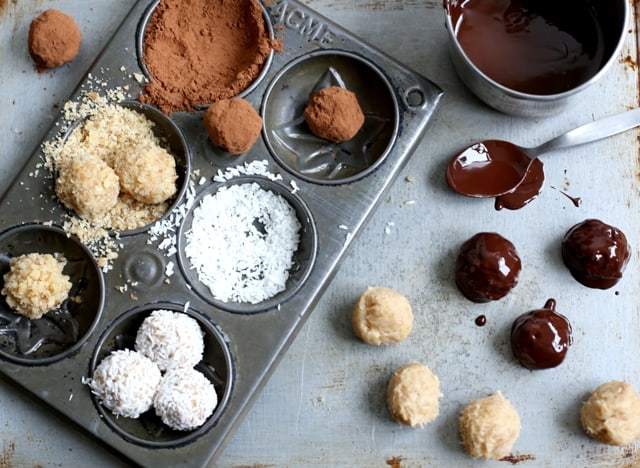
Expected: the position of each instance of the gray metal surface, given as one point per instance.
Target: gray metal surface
(324, 404)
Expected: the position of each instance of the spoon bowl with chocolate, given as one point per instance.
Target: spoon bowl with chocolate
(514, 174)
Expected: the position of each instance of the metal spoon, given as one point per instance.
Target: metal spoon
(492, 168)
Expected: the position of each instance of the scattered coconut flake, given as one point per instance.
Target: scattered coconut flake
(294, 186)
(251, 168)
(388, 227)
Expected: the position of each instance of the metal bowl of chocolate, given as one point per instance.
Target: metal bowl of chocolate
(530, 58)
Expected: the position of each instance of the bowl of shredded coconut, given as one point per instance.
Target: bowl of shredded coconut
(51, 294)
(247, 244)
(161, 375)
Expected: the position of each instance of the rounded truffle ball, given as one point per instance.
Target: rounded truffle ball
(382, 316)
(412, 395)
(54, 39)
(185, 399)
(125, 383)
(147, 174)
(35, 284)
(489, 427)
(540, 338)
(334, 114)
(170, 339)
(595, 253)
(233, 125)
(611, 414)
(87, 185)
(487, 267)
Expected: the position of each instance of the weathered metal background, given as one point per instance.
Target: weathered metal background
(324, 406)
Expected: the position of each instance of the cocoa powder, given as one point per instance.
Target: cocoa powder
(334, 114)
(199, 51)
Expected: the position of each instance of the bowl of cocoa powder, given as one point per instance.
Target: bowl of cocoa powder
(198, 52)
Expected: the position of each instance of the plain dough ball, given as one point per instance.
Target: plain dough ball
(87, 185)
(148, 174)
(412, 395)
(612, 414)
(489, 427)
(382, 316)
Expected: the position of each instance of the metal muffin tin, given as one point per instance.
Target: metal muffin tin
(334, 188)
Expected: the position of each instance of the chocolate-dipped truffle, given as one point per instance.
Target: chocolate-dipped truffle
(595, 253)
(540, 338)
(487, 267)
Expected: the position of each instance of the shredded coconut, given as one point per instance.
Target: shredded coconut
(242, 241)
(252, 168)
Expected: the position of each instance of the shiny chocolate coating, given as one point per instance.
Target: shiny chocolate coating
(595, 253)
(487, 267)
(540, 338)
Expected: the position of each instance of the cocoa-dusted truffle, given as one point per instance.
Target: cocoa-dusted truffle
(487, 267)
(233, 125)
(334, 114)
(595, 253)
(540, 338)
(54, 39)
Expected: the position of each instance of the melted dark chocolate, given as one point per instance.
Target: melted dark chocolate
(595, 253)
(539, 47)
(481, 320)
(496, 168)
(487, 169)
(487, 267)
(540, 338)
(526, 191)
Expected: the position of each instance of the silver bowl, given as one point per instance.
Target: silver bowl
(613, 18)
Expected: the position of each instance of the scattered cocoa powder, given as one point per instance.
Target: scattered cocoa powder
(334, 114)
(54, 39)
(233, 124)
(199, 51)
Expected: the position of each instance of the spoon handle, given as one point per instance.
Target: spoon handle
(593, 131)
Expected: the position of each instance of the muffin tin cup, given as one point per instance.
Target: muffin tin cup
(244, 341)
(315, 159)
(140, 35)
(216, 364)
(61, 332)
(302, 261)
